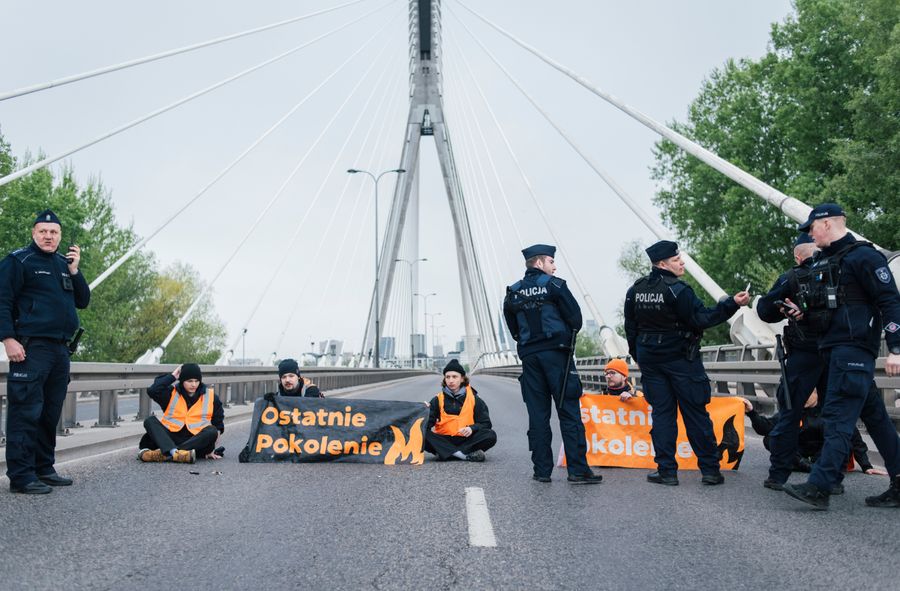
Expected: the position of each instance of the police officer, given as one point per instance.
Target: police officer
(543, 317)
(664, 322)
(852, 294)
(39, 292)
(806, 370)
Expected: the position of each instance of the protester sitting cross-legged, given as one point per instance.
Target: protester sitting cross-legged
(459, 425)
(193, 418)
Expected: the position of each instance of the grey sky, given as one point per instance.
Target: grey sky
(652, 55)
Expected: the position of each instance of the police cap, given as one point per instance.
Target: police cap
(539, 250)
(664, 249)
(825, 210)
(46, 216)
(803, 238)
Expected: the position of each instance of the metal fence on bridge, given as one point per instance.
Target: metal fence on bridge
(732, 369)
(104, 383)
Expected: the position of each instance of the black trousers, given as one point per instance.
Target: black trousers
(159, 437)
(444, 446)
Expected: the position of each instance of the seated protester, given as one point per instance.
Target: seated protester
(616, 372)
(291, 383)
(193, 418)
(811, 437)
(459, 425)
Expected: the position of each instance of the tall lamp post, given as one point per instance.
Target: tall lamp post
(375, 179)
(425, 297)
(412, 316)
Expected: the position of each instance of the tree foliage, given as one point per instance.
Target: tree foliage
(132, 310)
(817, 117)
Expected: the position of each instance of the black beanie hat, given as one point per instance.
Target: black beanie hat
(190, 371)
(288, 366)
(455, 365)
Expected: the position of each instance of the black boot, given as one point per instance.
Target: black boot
(659, 478)
(809, 494)
(889, 498)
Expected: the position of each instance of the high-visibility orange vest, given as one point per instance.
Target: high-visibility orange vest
(195, 418)
(449, 424)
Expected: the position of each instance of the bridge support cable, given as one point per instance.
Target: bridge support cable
(164, 54)
(59, 156)
(150, 355)
(160, 227)
(380, 142)
(612, 344)
(288, 248)
(745, 330)
(791, 207)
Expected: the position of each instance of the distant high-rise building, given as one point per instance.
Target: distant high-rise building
(438, 351)
(387, 347)
(418, 345)
(461, 345)
(591, 328)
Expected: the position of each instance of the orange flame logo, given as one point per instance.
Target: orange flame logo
(402, 449)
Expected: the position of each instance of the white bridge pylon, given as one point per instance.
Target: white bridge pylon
(426, 118)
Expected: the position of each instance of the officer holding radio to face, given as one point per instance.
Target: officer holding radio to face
(40, 290)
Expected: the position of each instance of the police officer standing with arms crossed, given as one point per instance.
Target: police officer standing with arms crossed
(39, 292)
(543, 317)
(664, 322)
(853, 288)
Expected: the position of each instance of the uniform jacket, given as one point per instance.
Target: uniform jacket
(857, 323)
(161, 393)
(563, 315)
(452, 406)
(681, 300)
(34, 299)
(803, 339)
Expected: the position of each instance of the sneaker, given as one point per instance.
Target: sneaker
(809, 494)
(589, 478)
(540, 478)
(666, 479)
(773, 484)
(712, 479)
(151, 455)
(889, 498)
(475, 456)
(184, 456)
(837, 489)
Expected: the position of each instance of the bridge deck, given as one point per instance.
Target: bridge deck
(127, 525)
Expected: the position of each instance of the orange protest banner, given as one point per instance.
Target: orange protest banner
(618, 433)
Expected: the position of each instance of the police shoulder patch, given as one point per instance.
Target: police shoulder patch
(883, 274)
(892, 327)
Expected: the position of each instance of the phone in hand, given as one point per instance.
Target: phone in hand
(68, 250)
(787, 305)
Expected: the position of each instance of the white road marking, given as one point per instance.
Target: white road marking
(481, 532)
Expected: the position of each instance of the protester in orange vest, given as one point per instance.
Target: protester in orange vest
(459, 426)
(192, 418)
(616, 373)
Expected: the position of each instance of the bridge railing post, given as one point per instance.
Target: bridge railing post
(144, 405)
(108, 409)
(68, 419)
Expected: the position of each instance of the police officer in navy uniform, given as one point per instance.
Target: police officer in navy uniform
(806, 370)
(852, 294)
(543, 317)
(39, 292)
(664, 322)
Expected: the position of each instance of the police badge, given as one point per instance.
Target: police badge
(883, 274)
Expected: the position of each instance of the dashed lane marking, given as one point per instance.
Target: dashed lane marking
(481, 532)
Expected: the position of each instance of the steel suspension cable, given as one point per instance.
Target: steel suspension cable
(270, 203)
(158, 56)
(51, 159)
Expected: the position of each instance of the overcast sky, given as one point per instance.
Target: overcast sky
(652, 55)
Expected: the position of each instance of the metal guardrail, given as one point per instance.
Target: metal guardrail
(733, 371)
(105, 382)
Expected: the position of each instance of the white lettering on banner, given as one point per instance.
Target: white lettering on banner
(629, 447)
(610, 417)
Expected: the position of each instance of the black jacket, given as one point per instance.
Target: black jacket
(554, 313)
(452, 406)
(799, 336)
(161, 393)
(38, 297)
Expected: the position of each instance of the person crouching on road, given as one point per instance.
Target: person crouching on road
(459, 425)
(193, 418)
(616, 373)
(291, 383)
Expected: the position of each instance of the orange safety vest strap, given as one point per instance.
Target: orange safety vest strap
(178, 415)
(448, 424)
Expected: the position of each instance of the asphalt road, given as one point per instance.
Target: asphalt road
(127, 525)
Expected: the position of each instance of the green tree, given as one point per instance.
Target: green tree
(586, 346)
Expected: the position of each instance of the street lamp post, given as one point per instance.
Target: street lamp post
(375, 179)
(425, 297)
(412, 317)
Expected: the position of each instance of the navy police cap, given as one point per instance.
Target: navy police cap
(664, 249)
(825, 210)
(803, 238)
(539, 250)
(46, 216)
